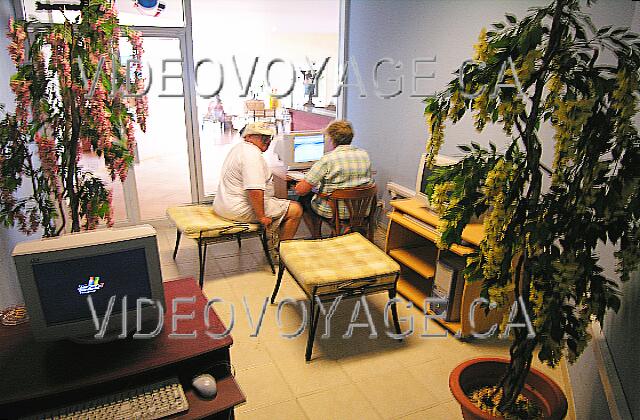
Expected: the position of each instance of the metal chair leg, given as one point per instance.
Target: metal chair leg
(265, 247)
(394, 312)
(178, 236)
(202, 254)
(278, 281)
(239, 238)
(315, 312)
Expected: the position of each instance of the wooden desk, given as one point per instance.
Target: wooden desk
(413, 245)
(282, 183)
(39, 376)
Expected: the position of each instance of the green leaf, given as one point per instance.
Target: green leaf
(464, 148)
(619, 31)
(511, 18)
(604, 29)
(498, 25)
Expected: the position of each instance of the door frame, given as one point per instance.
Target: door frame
(185, 36)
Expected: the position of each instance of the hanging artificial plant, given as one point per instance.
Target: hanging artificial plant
(70, 99)
(541, 240)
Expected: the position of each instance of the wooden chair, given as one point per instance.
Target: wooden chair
(361, 204)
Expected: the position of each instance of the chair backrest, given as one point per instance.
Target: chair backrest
(361, 204)
(253, 105)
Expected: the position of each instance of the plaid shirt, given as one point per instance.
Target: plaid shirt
(346, 166)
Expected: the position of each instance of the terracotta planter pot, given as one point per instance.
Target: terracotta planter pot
(480, 372)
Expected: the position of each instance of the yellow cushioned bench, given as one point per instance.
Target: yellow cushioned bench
(348, 265)
(201, 223)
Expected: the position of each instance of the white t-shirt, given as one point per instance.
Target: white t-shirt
(243, 169)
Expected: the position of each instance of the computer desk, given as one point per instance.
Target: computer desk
(283, 183)
(36, 376)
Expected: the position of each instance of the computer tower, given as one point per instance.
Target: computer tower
(448, 285)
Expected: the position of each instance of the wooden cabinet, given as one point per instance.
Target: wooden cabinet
(411, 241)
(38, 376)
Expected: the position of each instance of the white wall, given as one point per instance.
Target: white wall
(621, 329)
(394, 132)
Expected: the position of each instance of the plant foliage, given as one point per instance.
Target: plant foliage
(541, 242)
(69, 101)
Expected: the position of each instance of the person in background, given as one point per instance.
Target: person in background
(245, 192)
(344, 167)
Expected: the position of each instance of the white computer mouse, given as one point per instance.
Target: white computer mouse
(205, 385)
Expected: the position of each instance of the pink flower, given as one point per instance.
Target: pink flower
(48, 154)
(17, 35)
(21, 88)
(110, 218)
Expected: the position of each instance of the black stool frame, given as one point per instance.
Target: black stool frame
(237, 231)
(352, 288)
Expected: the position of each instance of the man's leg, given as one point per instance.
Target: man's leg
(291, 221)
(309, 216)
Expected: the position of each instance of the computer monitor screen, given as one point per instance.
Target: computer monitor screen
(63, 286)
(308, 148)
(299, 150)
(111, 266)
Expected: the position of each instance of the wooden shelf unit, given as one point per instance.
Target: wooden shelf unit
(411, 241)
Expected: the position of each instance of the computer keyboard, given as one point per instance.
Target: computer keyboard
(296, 175)
(152, 401)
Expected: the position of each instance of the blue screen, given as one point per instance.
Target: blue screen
(63, 286)
(308, 148)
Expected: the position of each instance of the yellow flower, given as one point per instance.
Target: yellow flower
(624, 100)
(497, 219)
(569, 117)
(457, 104)
(480, 105)
(436, 128)
(482, 47)
(440, 198)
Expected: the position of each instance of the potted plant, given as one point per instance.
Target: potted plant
(69, 100)
(541, 237)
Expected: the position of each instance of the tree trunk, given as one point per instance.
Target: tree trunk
(522, 348)
(72, 168)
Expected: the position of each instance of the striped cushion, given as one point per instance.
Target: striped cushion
(329, 262)
(196, 219)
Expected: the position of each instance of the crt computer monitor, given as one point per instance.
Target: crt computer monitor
(424, 172)
(300, 150)
(57, 274)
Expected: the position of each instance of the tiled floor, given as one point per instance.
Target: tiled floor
(356, 378)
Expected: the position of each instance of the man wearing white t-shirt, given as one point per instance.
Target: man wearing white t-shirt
(245, 192)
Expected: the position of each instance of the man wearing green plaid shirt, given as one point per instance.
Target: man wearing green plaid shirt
(344, 167)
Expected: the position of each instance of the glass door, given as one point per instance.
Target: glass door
(161, 172)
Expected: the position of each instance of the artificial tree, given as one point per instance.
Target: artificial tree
(541, 237)
(73, 96)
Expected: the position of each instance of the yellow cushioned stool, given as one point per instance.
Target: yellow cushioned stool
(346, 266)
(201, 223)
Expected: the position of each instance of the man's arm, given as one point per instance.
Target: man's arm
(303, 188)
(312, 179)
(256, 198)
